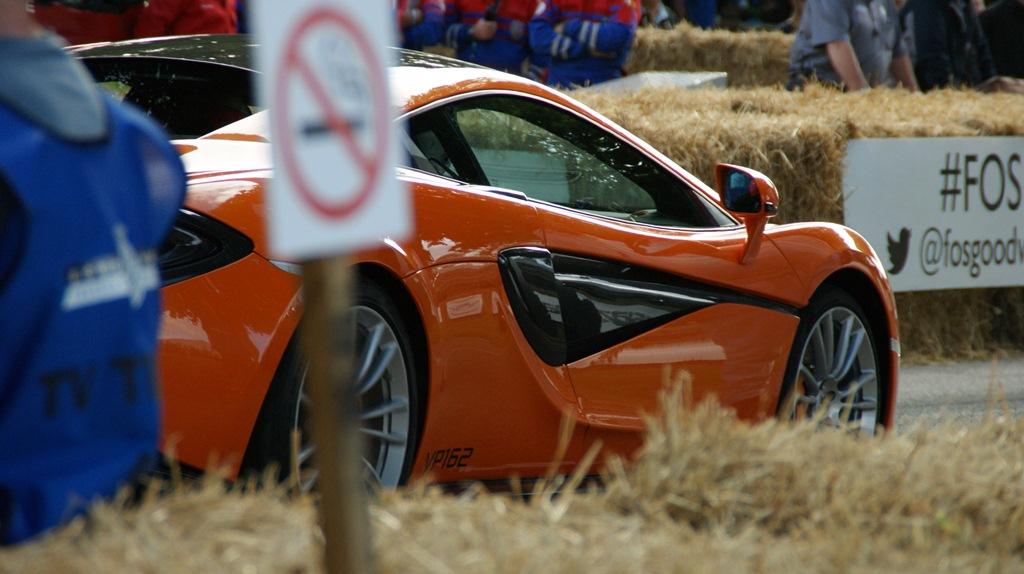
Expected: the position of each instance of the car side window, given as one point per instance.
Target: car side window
(436, 147)
(429, 154)
(554, 156)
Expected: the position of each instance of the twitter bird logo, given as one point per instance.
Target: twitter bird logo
(898, 250)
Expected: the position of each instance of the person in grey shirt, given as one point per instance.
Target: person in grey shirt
(855, 44)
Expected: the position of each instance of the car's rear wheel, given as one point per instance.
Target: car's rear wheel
(387, 408)
(833, 372)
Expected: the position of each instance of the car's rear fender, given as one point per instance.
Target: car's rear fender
(218, 355)
(452, 222)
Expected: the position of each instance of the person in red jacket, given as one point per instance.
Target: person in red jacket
(88, 21)
(180, 17)
(420, 22)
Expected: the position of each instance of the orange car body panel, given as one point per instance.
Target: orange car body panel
(218, 355)
(735, 352)
(732, 349)
(708, 256)
(488, 390)
(510, 417)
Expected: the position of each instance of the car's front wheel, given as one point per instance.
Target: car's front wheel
(833, 372)
(387, 408)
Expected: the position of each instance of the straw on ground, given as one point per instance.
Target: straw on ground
(706, 494)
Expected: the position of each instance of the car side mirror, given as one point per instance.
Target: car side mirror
(752, 197)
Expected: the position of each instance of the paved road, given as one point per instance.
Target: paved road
(958, 391)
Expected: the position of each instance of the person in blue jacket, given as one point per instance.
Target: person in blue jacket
(88, 190)
(421, 22)
(493, 33)
(587, 40)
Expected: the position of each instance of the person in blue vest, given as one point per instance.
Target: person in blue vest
(493, 33)
(421, 22)
(88, 190)
(587, 40)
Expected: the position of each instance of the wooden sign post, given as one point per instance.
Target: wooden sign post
(327, 338)
(335, 149)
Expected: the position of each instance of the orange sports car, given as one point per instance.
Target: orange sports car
(559, 264)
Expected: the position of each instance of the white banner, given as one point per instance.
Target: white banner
(942, 213)
(325, 80)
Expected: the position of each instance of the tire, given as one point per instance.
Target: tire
(840, 384)
(390, 399)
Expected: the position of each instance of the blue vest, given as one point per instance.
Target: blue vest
(79, 410)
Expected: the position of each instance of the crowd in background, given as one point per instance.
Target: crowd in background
(917, 44)
(87, 21)
(853, 44)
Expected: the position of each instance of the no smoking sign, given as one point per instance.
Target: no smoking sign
(332, 128)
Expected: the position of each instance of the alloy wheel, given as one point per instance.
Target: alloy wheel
(837, 378)
(383, 404)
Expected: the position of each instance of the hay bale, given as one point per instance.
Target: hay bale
(799, 140)
(754, 58)
(705, 494)
(200, 527)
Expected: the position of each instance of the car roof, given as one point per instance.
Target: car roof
(230, 50)
(224, 49)
(414, 73)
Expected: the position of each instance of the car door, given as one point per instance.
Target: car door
(647, 268)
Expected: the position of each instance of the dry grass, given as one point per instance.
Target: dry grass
(194, 528)
(706, 494)
(754, 58)
(799, 140)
